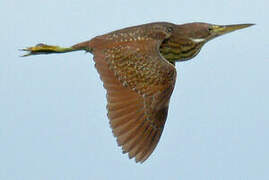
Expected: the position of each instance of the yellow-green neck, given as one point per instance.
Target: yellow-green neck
(180, 50)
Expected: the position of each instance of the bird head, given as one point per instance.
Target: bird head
(187, 39)
(203, 32)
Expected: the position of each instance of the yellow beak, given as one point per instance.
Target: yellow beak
(220, 30)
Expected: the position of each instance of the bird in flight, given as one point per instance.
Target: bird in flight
(137, 67)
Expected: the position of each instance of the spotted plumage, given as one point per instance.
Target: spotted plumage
(142, 75)
(136, 65)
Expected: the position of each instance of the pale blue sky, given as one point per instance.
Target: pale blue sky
(53, 123)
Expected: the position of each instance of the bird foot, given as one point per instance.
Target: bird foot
(44, 49)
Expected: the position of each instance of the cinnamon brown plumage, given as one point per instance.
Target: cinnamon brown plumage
(136, 66)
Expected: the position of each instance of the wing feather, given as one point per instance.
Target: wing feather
(139, 83)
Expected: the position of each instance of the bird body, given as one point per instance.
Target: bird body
(136, 65)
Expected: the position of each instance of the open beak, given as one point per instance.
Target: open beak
(220, 30)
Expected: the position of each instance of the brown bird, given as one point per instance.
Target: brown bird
(137, 67)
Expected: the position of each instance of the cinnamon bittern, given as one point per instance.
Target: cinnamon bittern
(137, 67)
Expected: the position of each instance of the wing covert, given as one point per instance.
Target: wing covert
(139, 83)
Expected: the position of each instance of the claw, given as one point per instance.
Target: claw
(25, 49)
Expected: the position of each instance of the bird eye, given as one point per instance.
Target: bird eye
(210, 29)
(170, 29)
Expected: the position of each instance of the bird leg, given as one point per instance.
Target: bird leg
(47, 49)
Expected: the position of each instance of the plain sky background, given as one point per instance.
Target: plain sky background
(53, 123)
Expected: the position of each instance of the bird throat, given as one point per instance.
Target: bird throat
(180, 49)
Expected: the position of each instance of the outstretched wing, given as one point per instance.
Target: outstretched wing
(139, 83)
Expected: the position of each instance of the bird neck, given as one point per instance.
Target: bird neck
(179, 49)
